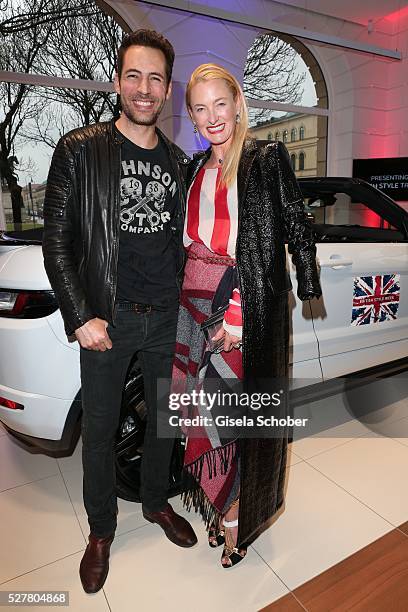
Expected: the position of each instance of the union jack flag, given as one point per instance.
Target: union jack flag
(375, 299)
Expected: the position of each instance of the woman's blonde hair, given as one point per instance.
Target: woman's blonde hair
(207, 72)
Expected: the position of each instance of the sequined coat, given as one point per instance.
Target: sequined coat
(270, 210)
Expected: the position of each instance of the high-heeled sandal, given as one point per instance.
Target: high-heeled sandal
(231, 552)
(216, 536)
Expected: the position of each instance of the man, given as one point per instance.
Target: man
(112, 247)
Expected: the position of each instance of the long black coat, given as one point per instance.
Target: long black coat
(270, 210)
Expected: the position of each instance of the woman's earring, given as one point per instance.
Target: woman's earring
(197, 134)
(238, 118)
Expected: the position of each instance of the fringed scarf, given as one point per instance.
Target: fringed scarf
(211, 461)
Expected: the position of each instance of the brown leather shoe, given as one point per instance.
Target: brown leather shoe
(177, 529)
(94, 566)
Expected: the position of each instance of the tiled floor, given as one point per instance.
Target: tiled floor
(344, 491)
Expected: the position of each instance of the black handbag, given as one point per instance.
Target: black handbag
(210, 327)
(219, 305)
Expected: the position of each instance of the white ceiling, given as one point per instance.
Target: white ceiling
(360, 11)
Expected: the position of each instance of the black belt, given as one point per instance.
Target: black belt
(139, 308)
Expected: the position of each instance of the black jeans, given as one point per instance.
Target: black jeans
(151, 335)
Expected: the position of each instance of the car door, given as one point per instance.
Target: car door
(303, 348)
(361, 320)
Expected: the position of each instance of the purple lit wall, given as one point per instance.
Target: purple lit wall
(368, 95)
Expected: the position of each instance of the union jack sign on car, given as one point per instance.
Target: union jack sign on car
(375, 299)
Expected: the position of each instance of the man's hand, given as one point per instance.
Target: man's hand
(93, 335)
(230, 341)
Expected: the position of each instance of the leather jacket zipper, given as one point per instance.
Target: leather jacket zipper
(183, 194)
(115, 240)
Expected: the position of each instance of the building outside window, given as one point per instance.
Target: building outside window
(304, 87)
(286, 123)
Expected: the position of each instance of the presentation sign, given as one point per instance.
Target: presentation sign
(389, 174)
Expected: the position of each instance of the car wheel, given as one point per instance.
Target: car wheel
(129, 442)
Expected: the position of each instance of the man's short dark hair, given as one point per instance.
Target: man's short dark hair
(147, 38)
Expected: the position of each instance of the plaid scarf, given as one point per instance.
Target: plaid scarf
(211, 460)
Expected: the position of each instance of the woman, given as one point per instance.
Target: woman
(243, 200)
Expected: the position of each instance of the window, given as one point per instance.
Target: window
(301, 161)
(77, 43)
(293, 161)
(281, 72)
(270, 137)
(343, 209)
(58, 113)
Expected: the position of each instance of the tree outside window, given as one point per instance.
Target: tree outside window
(57, 38)
(281, 71)
(274, 72)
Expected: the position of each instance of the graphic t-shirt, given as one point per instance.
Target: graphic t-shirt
(147, 254)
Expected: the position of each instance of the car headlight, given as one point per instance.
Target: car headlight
(27, 304)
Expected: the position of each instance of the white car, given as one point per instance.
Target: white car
(361, 322)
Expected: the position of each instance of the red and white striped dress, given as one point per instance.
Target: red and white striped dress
(212, 220)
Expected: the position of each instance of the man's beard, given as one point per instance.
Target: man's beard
(140, 118)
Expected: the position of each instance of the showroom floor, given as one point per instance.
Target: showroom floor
(344, 492)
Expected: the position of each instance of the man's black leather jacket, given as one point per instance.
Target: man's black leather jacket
(81, 221)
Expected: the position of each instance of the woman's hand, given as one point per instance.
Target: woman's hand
(230, 341)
